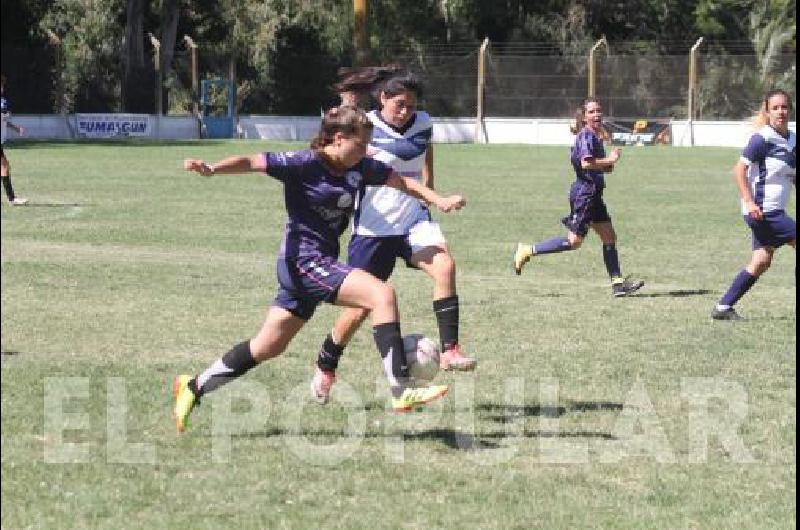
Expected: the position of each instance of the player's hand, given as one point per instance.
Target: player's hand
(198, 166)
(615, 154)
(21, 130)
(453, 202)
(754, 211)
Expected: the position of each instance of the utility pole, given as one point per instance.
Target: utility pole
(360, 35)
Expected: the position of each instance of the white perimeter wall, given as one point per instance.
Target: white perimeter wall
(445, 130)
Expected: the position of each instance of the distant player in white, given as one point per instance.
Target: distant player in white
(387, 225)
(764, 175)
(5, 170)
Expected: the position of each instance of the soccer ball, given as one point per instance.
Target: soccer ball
(422, 357)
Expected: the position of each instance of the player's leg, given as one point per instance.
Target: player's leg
(361, 289)
(524, 251)
(280, 326)
(377, 256)
(605, 230)
(775, 230)
(5, 176)
(577, 224)
(760, 261)
(437, 262)
(332, 350)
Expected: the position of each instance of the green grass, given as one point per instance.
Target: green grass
(125, 271)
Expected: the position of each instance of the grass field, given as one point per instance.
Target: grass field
(585, 411)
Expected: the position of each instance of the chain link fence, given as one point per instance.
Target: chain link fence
(521, 81)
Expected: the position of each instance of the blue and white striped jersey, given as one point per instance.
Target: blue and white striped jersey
(5, 115)
(385, 211)
(771, 167)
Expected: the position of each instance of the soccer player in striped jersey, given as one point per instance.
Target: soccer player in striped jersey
(587, 208)
(764, 175)
(5, 170)
(390, 225)
(320, 186)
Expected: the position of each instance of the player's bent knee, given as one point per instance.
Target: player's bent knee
(445, 267)
(761, 264)
(383, 296)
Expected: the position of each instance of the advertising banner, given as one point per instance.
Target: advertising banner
(113, 125)
(638, 132)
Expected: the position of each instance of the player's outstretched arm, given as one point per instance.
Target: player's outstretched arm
(412, 187)
(230, 165)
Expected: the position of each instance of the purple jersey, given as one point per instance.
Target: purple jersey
(588, 145)
(319, 201)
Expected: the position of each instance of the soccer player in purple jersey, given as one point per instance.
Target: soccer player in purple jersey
(391, 225)
(764, 174)
(587, 209)
(320, 190)
(5, 169)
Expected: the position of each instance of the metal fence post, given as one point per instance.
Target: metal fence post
(480, 130)
(592, 69)
(193, 54)
(692, 88)
(157, 63)
(55, 41)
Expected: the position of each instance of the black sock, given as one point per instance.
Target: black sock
(328, 357)
(611, 259)
(390, 344)
(233, 364)
(446, 310)
(9, 188)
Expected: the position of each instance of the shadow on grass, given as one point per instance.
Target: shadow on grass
(678, 293)
(466, 441)
(55, 205)
(9, 352)
(503, 413)
(452, 438)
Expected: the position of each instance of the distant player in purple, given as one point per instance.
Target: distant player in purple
(321, 190)
(587, 209)
(764, 175)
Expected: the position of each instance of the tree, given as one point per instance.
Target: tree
(168, 37)
(773, 29)
(91, 41)
(137, 92)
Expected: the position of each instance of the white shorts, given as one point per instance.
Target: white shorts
(425, 234)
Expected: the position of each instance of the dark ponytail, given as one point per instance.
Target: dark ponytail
(372, 80)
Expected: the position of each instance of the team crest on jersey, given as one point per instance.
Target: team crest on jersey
(345, 200)
(353, 178)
